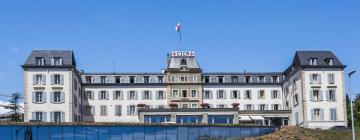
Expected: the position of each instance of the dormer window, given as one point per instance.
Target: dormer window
(220, 79)
(40, 61)
(313, 61)
(329, 61)
(247, 79)
(183, 62)
(146, 79)
(57, 61)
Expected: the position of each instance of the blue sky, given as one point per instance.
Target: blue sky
(229, 36)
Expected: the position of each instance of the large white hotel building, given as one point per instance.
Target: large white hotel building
(310, 93)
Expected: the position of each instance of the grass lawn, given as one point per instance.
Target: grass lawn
(298, 133)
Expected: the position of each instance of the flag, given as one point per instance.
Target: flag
(177, 28)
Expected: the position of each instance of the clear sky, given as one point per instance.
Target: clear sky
(228, 36)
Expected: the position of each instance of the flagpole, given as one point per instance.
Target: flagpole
(180, 40)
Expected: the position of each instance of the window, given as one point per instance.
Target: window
(331, 95)
(220, 79)
(315, 79)
(160, 95)
(103, 95)
(313, 61)
(262, 107)
(146, 79)
(117, 79)
(261, 94)
(247, 79)
(161, 106)
(331, 79)
(275, 106)
(194, 106)
(174, 78)
(118, 95)
(193, 93)
(88, 79)
(183, 62)
(247, 94)
(39, 116)
(38, 97)
(261, 79)
(58, 116)
(103, 79)
(146, 95)
(221, 94)
(57, 97)
(184, 93)
(333, 116)
(275, 94)
(296, 99)
(57, 61)
(90, 95)
(316, 95)
(57, 80)
(221, 106)
(183, 78)
(175, 93)
(132, 95)
(317, 114)
(248, 107)
(329, 61)
(132, 79)
(193, 78)
(206, 79)
(103, 110)
(185, 106)
(39, 79)
(234, 79)
(207, 94)
(275, 79)
(132, 110)
(235, 94)
(40, 61)
(160, 79)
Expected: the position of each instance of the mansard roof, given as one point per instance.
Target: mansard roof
(66, 55)
(178, 59)
(303, 58)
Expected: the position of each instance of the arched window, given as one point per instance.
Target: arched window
(183, 62)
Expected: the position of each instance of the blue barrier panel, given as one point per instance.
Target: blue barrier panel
(126, 132)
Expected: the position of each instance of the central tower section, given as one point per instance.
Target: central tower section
(184, 80)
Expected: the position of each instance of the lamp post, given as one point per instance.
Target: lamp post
(351, 105)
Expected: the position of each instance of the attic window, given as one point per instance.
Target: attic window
(183, 62)
(40, 61)
(313, 61)
(329, 61)
(57, 61)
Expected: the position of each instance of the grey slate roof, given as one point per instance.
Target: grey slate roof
(174, 63)
(66, 55)
(304, 56)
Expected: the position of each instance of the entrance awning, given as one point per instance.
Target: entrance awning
(257, 118)
(244, 118)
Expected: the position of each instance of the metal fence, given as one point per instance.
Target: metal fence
(123, 132)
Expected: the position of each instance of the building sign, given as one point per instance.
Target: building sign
(182, 53)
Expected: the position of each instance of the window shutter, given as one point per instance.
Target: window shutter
(62, 116)
(51, 97)
(99, 95)
(321, 95)
(245, 97)
(266, 107)
(311, 95)
(322, 114)
(128, 95)
(329, 78)
(319, 76)
(312, 115)
(238, 93)
(114, 95)
(136, 95)
(33, 97)
(62, 98)
(33, 116)
(121, 95)
(44, 117)
(107, 95)
(128, 110)
(51, 116)
(44, 97)
(143, 95)
(311, 79)
(224, 92)
(334, 95)
(231, 94)
(150, 95)
(52, 61)
(335, 114)
(92, 95)
(327, 95)
(211, 95)
(250, 95)
(62, 79)
(61, 61)
(157, 95)
(52, 78)
(258, 94)
(34, 79)
(44, 79)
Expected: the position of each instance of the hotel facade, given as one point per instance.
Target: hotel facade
(309, 93)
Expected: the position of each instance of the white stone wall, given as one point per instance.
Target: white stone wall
(47, 107)
(294, 87)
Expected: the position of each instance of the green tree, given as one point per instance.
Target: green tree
(15, 107)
